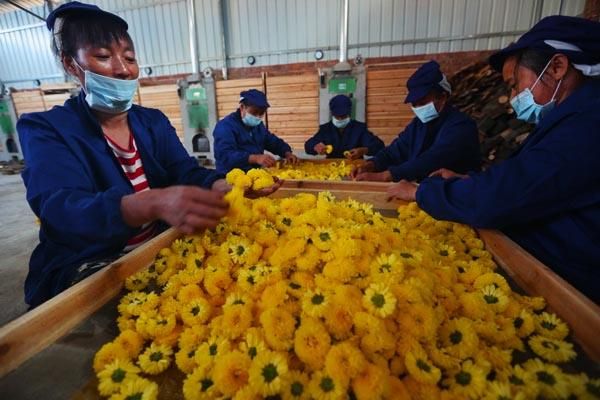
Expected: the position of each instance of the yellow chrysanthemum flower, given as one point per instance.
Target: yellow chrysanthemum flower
(549, 325)
(267, 373)
(459, 338)
(323, 238)
(279, 326)
(387, 268)
(497, 391)
(237, 319)
(324, 387)
(468, 381)
(199, 385)
(420, 368)
(370, 383)
(185, 359)
(295, 386)
(491, 278)
(524, 324)
(555, 351)
(231, 372)
(549, 378)
(137, 388)
(112, 377)
(138, 281)
(311, 343)
(253, 344)
(379, 300)
(344, 361)
(314, 303)
(109, 353)
(155, 359)
(494, 298)
(131, 341)
(210, 350)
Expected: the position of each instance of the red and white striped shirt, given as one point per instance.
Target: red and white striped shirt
(131, 163)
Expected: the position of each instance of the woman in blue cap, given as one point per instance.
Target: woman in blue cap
(439, 136)
(546, 197)
(347, 137)
(241, 138)
(101, 172)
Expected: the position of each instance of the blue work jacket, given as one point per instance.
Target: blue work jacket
(449, 141)
(354, 135)
(546, 197)
(235, 142)
(75, 185)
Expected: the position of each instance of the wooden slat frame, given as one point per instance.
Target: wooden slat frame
(387, 115)
(36, 330)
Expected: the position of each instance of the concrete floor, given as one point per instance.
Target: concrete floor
(18, 238)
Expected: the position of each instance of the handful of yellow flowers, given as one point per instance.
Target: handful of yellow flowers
(329, 171)
(309, 297)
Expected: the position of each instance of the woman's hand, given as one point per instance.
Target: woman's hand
(187, 208)
(357, 153)
(319, 148)
(253, 194)
(368, 166)
(264, 160)
(446, 173)
(384, 176)
(403, 190)
(290, 158)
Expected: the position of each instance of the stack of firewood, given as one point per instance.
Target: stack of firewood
(479, 91)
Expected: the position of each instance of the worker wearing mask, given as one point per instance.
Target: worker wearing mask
(438, 137)
(103, 175)
(241, 138)
(343, 137)
(546, 197)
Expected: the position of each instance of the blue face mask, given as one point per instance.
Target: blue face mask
(525, 106)
(251, 120)
(426, 113)
(340, 123)
(109, 95)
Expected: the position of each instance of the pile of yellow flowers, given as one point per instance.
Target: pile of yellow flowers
(313, 298)
(330, 171)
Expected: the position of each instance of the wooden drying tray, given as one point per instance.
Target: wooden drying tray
(28, 335)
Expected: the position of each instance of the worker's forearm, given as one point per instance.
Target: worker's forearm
(140, 208)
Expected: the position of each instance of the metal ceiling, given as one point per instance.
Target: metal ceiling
(23, 5)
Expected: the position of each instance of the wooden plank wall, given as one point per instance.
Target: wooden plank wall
(294, 111)
(228, 93)
(164, 98)
(387, 115)
(27, 101)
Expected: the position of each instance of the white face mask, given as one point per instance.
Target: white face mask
(426, 113)
(106, 94)
(525, 105)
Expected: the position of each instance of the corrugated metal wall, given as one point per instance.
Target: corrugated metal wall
(282, 31)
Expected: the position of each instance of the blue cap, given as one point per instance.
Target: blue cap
(75, 7)
(340, 105)
(577, 38)
(427, 77)
(254, 98)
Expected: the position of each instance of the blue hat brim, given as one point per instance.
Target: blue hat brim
(416, 94)
(81, 8)
(497, 59)
(341, 110)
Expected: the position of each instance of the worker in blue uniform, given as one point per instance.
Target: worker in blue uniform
(241, 138)
(89, 206)
(439, 136)
(546, 197)
(347, 137)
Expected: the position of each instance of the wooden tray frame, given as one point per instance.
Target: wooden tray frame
(33, 332)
